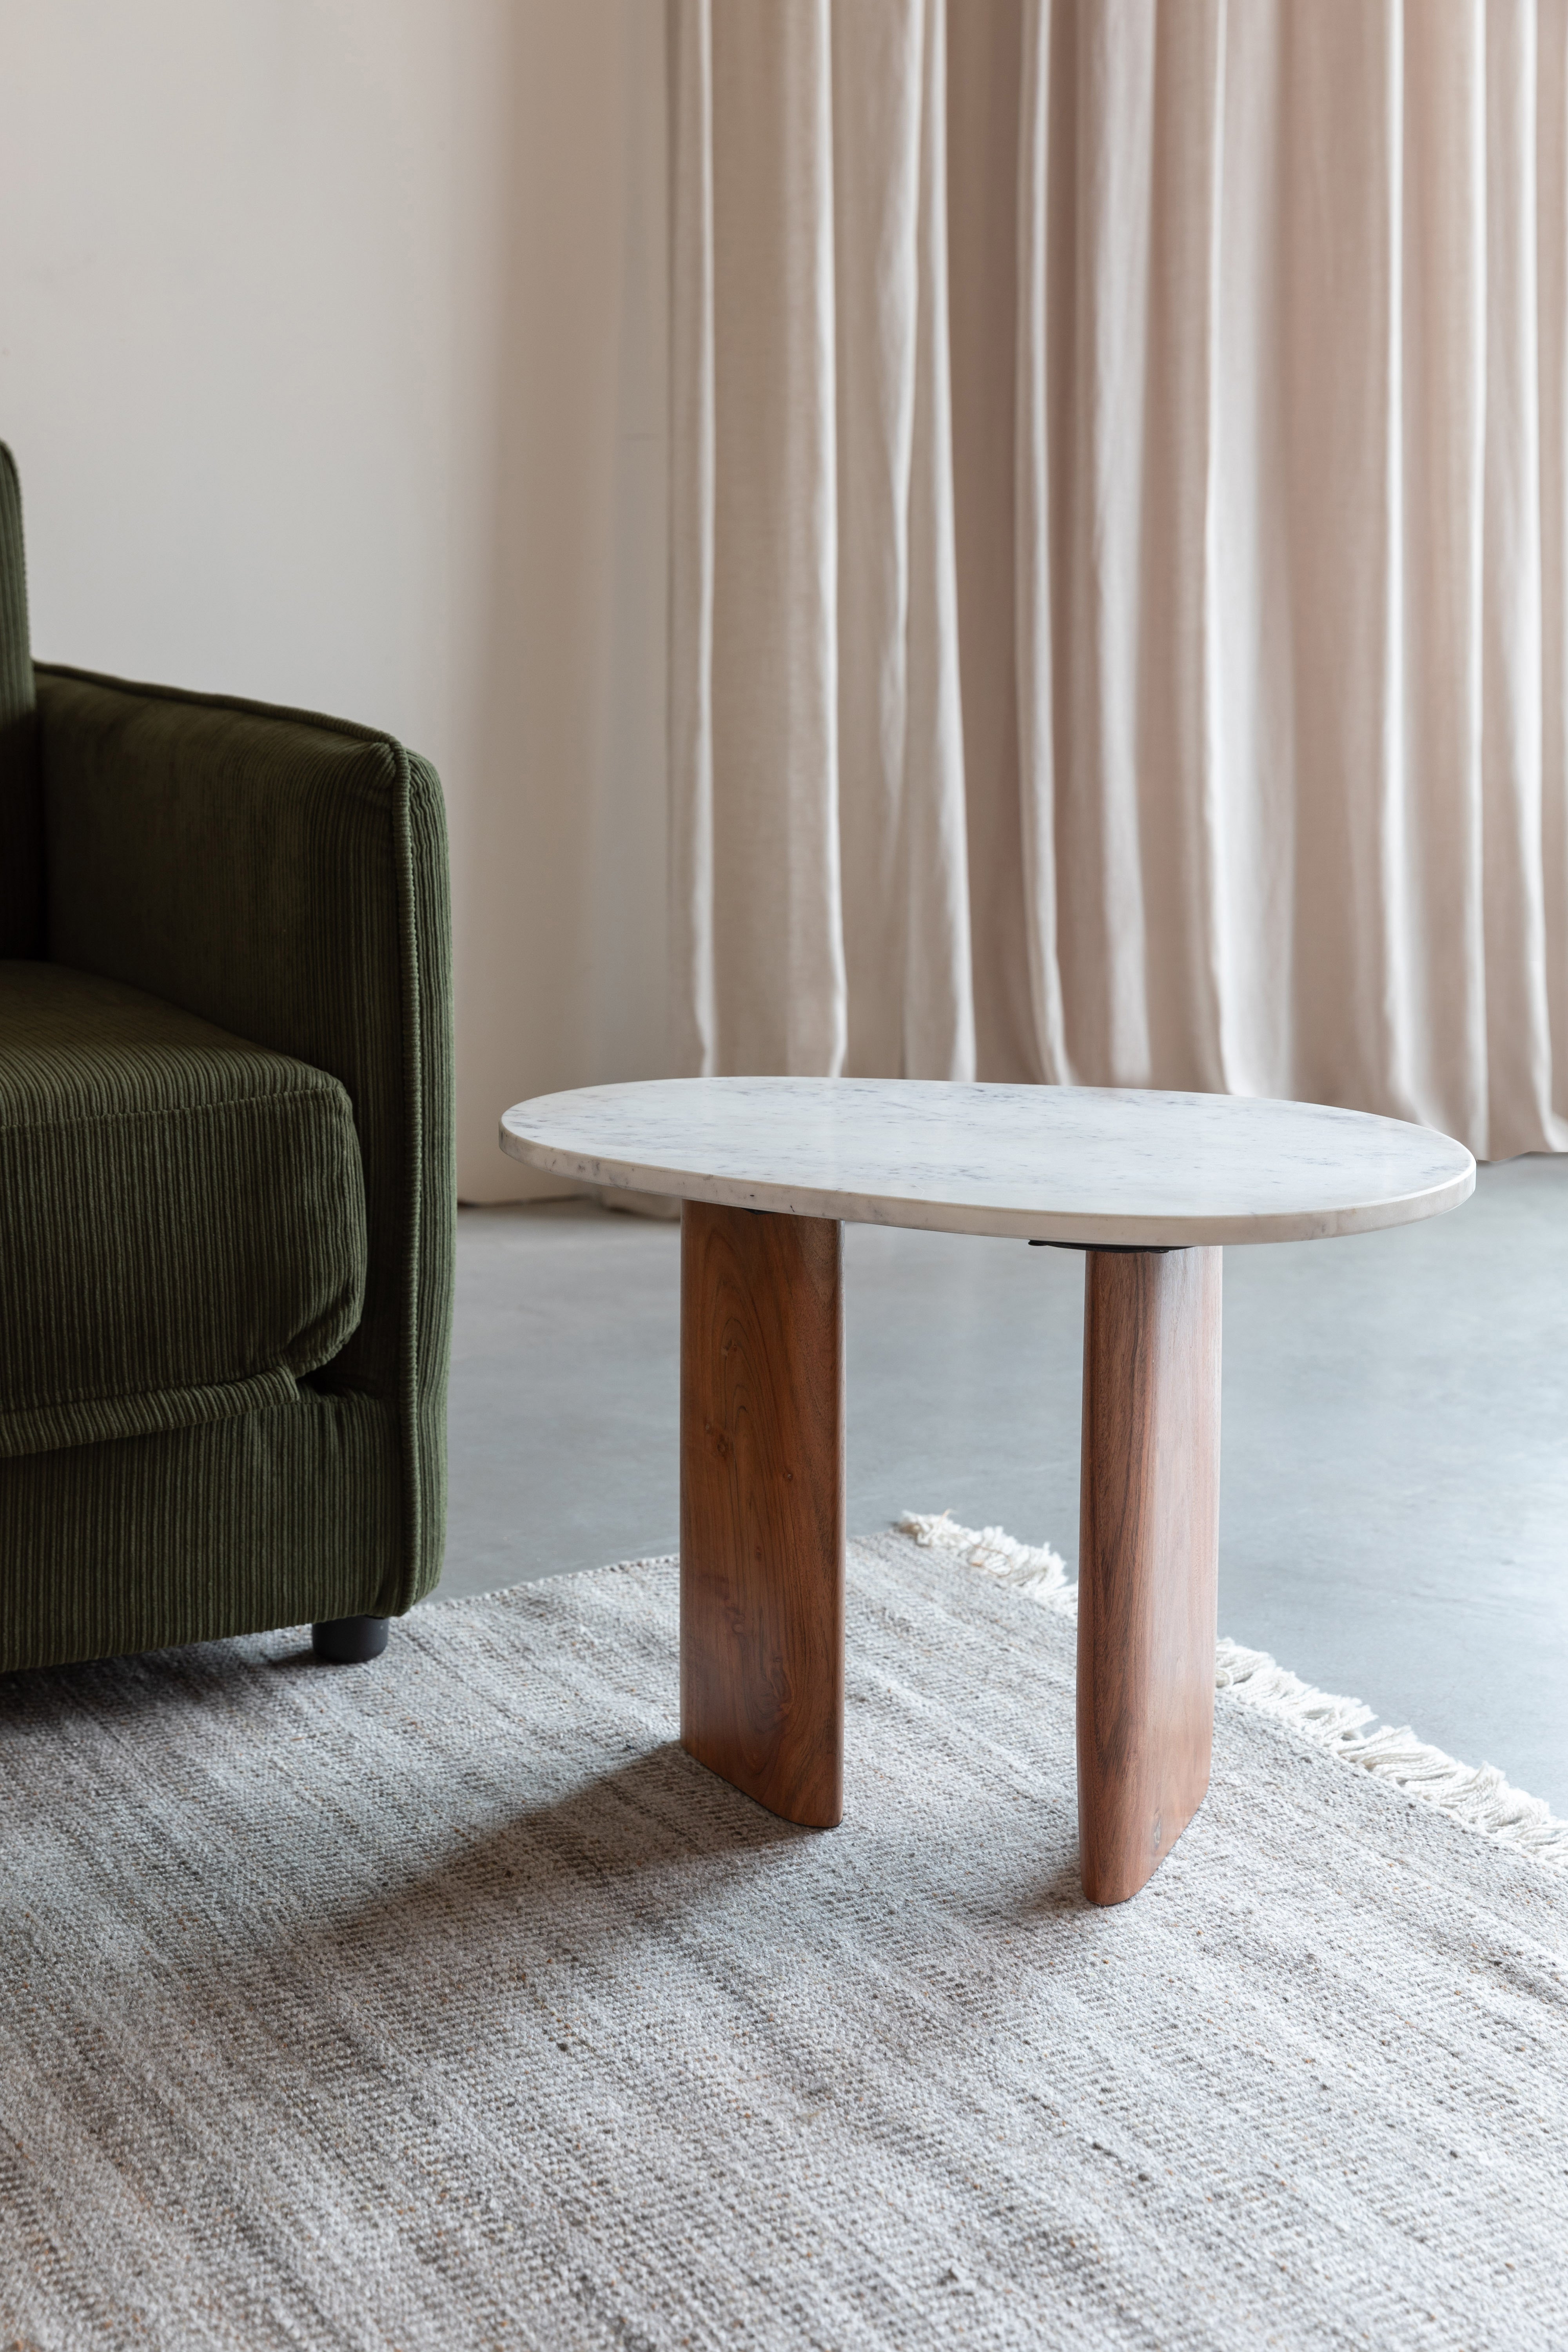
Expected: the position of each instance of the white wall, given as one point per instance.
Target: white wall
(333, 354)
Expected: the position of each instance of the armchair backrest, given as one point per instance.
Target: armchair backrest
(21, 810)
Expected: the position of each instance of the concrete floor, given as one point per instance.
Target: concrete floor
(1394, 1519)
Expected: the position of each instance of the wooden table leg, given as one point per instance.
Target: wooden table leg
(1148, 1558)
(762, 1506)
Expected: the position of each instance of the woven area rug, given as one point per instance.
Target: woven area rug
(445, 2002)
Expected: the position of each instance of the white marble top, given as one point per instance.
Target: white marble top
(1042, 1163)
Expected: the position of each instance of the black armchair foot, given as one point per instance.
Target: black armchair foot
(349, 1641)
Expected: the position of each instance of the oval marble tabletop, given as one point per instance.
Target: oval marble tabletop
(1080, 1164)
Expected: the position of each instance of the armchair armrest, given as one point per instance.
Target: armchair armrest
(284, 875)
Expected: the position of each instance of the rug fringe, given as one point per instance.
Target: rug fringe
(1477, 1795)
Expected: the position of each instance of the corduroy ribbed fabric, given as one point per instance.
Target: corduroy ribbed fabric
(281, 877)
(284, 875)
(182, 1215)
(274, 1517)
(250, 867)
(21, 835)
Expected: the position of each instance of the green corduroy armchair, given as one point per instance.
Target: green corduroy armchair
(226, 1164)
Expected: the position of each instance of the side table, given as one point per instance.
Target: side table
(1151, 1186)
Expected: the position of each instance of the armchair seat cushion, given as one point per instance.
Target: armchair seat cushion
(182, 1215)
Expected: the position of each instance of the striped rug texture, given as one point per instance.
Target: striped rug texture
(445, 2002)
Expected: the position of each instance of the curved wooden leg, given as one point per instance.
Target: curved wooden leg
(1148, 1559)
(762, 1506)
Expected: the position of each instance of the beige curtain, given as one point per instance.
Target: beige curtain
(1119, 507)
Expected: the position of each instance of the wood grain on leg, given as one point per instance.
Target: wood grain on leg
(762, 1506)
(1148, 1554)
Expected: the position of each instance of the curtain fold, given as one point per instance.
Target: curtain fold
(1119, 584)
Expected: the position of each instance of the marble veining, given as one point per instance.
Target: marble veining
(1049, 1163)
